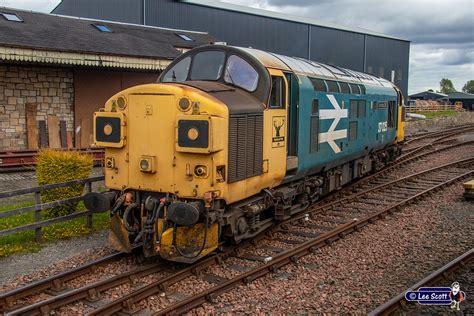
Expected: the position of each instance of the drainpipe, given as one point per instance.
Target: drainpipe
(144, 12)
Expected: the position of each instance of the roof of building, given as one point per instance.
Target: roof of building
(284, 16)
(461, 95)
(430, 93)
(48, 32)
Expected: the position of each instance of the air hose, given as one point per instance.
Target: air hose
(203, 243)
(125, 218)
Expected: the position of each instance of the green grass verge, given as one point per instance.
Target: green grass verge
(25, 241)
(430, 115)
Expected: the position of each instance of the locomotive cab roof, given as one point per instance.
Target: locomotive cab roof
(246, 68)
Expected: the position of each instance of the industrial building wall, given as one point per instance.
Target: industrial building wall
(362, 52)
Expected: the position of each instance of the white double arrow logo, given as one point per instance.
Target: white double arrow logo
(331, 135)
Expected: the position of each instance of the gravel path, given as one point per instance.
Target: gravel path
(51, 259)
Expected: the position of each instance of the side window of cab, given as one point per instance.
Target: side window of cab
(277, 95)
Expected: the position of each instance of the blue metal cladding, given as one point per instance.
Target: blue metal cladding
(235, 28)
(128, 11)
(362, 52)
(384, 55)
(370, 134)
(341, 48)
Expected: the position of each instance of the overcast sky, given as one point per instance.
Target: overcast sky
(442, 32)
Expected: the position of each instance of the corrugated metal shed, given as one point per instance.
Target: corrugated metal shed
(348, 47)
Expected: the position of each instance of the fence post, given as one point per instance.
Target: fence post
(38, 236)
(89, 215)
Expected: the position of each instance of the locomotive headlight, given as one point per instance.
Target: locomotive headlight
(147, 164)
(184, 104)
(193, 133)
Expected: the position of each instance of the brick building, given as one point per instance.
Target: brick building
(55, 71)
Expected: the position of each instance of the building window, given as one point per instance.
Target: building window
(370, 69)
(399, 74)
(332, 86)
(11, 17)
(103, 28)
(381, 72)
(318, 85)
(185, 37)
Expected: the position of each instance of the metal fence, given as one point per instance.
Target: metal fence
(38, 207)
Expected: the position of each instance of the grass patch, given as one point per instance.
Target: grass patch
(430, 115)
(25, 241)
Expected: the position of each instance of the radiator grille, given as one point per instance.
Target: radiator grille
(245, 146)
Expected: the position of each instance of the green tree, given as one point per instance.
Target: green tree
(446, 86)
(468, 87)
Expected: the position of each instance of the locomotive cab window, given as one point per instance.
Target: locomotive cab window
(179, 72)
(332, 86)
(240, 73)
(207, 65)
(277, 96)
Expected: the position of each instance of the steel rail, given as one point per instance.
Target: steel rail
(292, 255)
(399, 301)
(8, 299)
(127, 301)
(436, 133)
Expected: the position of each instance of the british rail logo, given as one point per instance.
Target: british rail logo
(438, 296)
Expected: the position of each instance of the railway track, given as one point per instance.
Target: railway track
(463, 269)
(12, 301)
(285, 243)
(417, 137)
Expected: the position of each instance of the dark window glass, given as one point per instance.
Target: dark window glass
(362, 89)
(318, 84)
(332, 86)
(179, 72)
(361, 108)
(315, 107)
(207, 65)
(353, 130)
(344, 87)
(277, 96)
(354, 88)
(240, 73)
(353, 109)
(103, 28)
(392, 110)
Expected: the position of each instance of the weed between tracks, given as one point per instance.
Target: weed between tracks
(25, 241)
(430, 115)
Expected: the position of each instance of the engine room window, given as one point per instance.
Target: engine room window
(354, 88)
(318, 84)
(240, 73)
(207, 65)
(344, 87)
(277, 96)
(179, 72)
(332, 86)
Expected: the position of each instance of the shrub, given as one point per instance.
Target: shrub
(55, 166)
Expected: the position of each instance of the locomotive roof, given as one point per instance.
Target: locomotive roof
(313, 69)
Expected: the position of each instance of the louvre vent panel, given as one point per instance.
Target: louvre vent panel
(245, 146)
(314, 134)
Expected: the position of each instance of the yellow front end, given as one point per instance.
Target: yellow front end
(172, 140)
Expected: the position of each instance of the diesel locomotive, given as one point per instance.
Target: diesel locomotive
(231, 140)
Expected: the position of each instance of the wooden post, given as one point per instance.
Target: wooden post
(38, 236)
(89, 215)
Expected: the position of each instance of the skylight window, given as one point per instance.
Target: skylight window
(11, 17)
(185, 37)
(103, 28)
